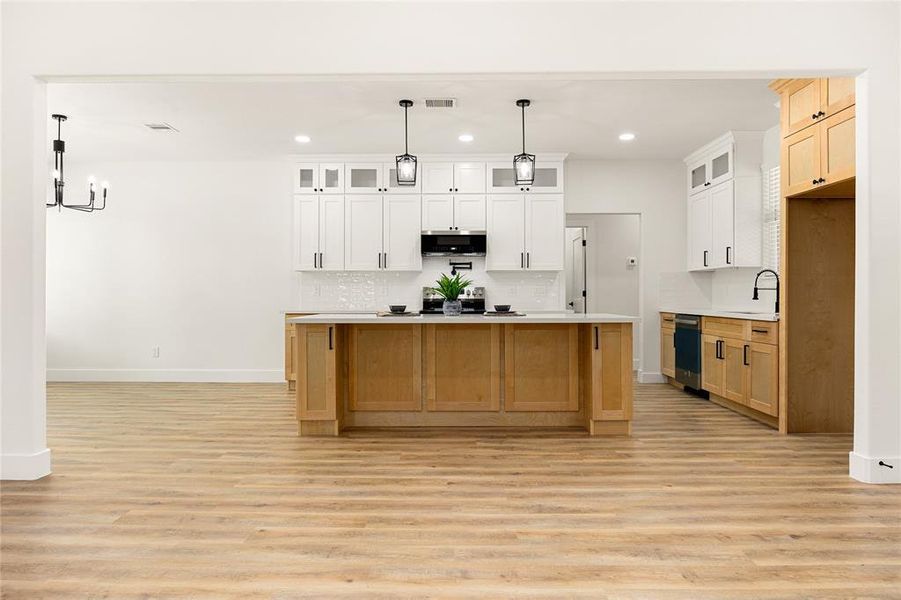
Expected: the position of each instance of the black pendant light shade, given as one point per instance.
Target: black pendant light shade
(59, 150)
(523, 164)
(406, 162)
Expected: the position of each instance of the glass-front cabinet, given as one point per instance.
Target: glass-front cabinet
(716, 166)
(331, 178)
(363, 178)
(318, 178)
(548, 178)
(306, 178)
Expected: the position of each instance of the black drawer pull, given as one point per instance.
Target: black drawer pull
(330, 344)
(760, 330)
(596, 341)
(745, 356)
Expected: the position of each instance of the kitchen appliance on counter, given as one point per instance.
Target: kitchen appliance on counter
(453, 243)
(688, 350)
(473, 301)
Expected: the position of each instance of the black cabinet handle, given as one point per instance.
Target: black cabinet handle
(745, 357)
(814, 116)
(821, 114)
(815, 181)
(728, 260)
(522, 260)
(760, 330)
(386, 260)
(314, 261)
(528, 260)
(719, 350)
(331, 345)
(821, 180)
(380, 260)
(597, 345)
(320, 260)
(705, 258)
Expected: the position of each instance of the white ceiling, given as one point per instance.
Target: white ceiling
(247, 120)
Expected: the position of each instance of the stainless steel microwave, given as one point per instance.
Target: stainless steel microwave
(455, 243)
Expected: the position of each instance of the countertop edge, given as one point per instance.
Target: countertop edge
(712, 312)
(348, 319)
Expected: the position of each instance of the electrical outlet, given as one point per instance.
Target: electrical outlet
(155, 352)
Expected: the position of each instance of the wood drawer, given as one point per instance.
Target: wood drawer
(764, 332)
(667, 321)
(738, 329)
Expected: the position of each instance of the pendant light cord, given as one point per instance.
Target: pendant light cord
(406, 144)
(523, 128)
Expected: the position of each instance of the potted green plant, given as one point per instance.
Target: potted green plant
(450, 289)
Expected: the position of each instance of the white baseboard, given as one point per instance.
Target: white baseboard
(868, 470)
(651, 377)
(169, 375)
(25, 467)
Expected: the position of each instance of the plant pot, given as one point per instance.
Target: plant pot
(452, 308)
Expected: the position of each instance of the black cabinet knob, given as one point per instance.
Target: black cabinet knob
(814, 182)
(527, 189)
(814, 116)
(522, 189)
(821, 114)
(456, 189)
(821, 180)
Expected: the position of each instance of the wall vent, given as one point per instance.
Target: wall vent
(160, 127)
(440, 102)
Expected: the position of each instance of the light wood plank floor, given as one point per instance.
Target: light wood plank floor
(205, 491)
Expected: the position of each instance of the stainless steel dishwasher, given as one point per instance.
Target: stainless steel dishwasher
(688, 350)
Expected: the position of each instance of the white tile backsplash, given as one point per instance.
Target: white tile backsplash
(722, 289)
(370, 291)
(685, 289)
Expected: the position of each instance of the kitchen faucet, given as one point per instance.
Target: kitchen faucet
(776, 289)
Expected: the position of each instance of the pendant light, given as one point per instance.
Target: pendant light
(59, 149)
(523, 164)
(406, 162)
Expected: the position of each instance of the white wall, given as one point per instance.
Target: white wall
(192, 257)
(656, 191)
(261, 39)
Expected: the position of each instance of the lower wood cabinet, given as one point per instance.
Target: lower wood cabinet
(711, 364)
(385, 368)
(541, 367)
(463, 367)
(668, 344)
(763, 378)
(316, 372)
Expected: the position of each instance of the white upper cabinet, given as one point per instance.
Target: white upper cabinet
(389, 180)
(725, 217)
(469, 178)
(469, 212)
(545, 229)
(401, 250)
(331, 178)
(548, 178)
(437, 212)
(318, 232)
(506, 239)
(363, 232)
(364, 178)
(438, 178)
(306, 178)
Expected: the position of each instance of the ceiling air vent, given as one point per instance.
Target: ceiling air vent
(160, 127)
(441, 103)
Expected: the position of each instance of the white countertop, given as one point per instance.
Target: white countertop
(713, 312)
(537, 317)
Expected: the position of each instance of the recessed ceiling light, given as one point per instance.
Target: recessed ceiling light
(626, 137)
(465, 137)
(302, 139)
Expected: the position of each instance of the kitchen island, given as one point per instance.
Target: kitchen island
(536, 370)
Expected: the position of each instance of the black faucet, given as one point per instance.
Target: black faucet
(776, 289)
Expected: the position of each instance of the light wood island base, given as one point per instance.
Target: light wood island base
(466, 374)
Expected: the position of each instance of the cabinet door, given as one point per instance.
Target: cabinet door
(799, 105)
(721, 168)
(548, 177)
(668, 351)
(306, 178)
(711, 365)
(401, 236)
(331, 233)
(290, 342)
(437, 178)
(500, 179)
(469, 178)
(722, 210)
(362, 232)
(389, 180)
(800, 161)
(698, 176)
(734, 386)
(306, 232)
(331, 178)
(837, 150)
(836, 94)
(469, 212)
(363, 178)
(544, 232)
(316, 380)
(763, 378)
(699, 231)
(506, 233)
(541, 367)
(437, 212)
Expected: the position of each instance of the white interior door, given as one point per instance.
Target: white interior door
(306, 232)
(401, 237)
(469, 178)
(699, 234)
(506, 233)
(574, 261)
(362, 232)
(331, 233)
(437, 212)
(469, 212)
(437, 178)
(544, 232)
(722, 210)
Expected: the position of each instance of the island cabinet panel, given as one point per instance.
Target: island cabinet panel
(541, 367)
(385, 368)
(317, 389)
(613, 349)
(463, 367)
